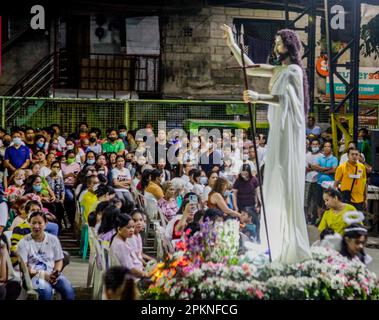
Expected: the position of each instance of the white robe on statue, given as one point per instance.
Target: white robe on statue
(284, 173)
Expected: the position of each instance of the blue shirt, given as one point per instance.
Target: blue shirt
(326, 162)
(316, 130)
(17, 157)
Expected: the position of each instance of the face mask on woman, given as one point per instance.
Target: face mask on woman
(17, 141)
(203, 180)
(315, 149)
(37, 188)
(91, 161)
(70, 147)
(70, 161)
(245, 176)
(19, 182)
(40, 144)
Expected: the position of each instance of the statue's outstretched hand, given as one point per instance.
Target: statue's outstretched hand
(228, 34)
(250, 96)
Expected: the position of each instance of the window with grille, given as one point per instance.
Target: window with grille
(259, 37)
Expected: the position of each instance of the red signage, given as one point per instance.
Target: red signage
(322, 66)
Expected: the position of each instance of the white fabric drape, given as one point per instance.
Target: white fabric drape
(284, 174)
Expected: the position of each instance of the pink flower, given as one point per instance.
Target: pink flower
(245, 267)
(259, 294)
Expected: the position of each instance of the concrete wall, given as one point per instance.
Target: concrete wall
(22, 56)
(195, 67)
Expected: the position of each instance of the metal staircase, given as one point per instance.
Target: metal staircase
(36, 83)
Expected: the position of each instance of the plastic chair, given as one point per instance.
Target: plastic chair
(99, 269)
(91, 261)
(12, 273)
(106, 255)
(30, 292)
(8, 235)
(151, 206)
(164, 246)
(84, 243)
(151, 209)
(138, 198)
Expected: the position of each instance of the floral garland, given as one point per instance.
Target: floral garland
(207, 266)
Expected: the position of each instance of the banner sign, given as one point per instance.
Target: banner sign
(368, 83)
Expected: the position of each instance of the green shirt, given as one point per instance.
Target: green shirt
(45, 186)
(113, 147)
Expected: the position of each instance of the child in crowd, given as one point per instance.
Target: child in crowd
(247, 226)
(136, 240)
(94, 218)
(16, 189)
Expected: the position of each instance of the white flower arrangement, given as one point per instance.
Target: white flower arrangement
(328, 275)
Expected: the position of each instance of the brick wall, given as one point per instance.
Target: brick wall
(195, 67)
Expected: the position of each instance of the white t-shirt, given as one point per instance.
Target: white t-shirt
(345, 158)
(121, 176)
(3, 175)
(261, 153)
(61, 143)
(95, 148)
(228, 175)
(188, 186)
(193, 157)
(252, 165)
(79, 156)
(45, 171)
(312, 158)
(40, 255)
(236, 154)
(3, 214)
(207, 190)
(198, 189)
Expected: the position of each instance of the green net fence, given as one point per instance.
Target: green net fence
(186, 114)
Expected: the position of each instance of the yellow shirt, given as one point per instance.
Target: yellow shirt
(155, 190)
(344, 175)
(334, 220)
(89, 203)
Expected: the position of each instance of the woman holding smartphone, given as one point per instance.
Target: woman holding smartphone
(43, 256)
(185, 215)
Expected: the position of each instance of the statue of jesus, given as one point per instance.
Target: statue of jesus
(284, 180)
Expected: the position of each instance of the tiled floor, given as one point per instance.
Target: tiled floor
(76, 272)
